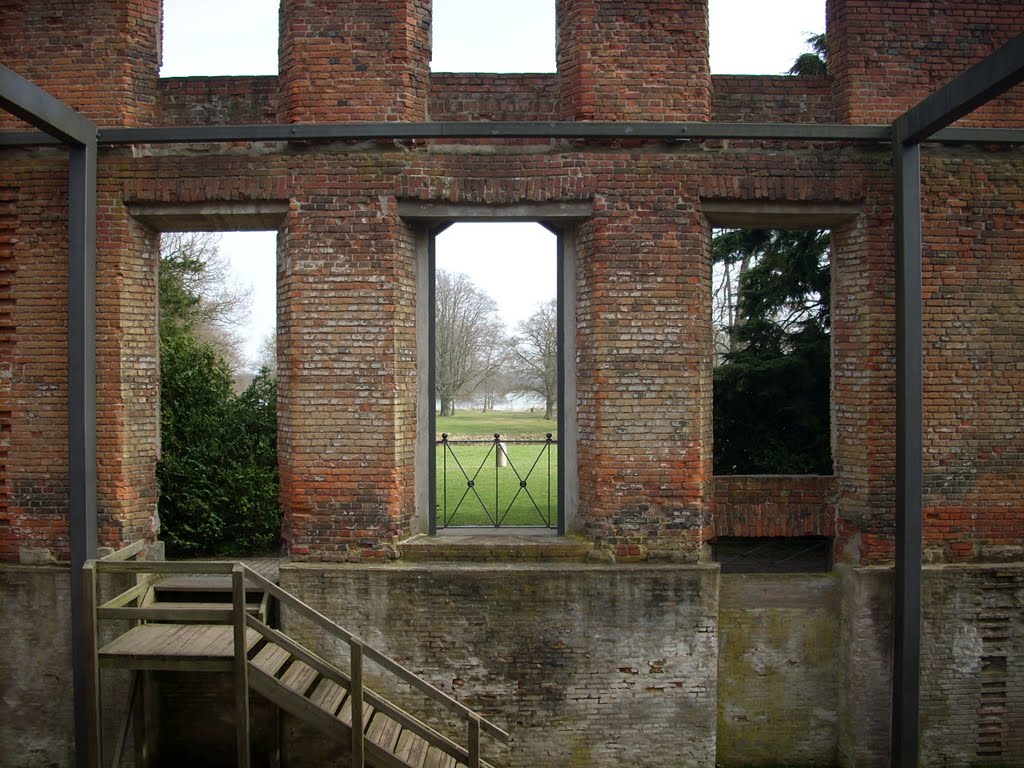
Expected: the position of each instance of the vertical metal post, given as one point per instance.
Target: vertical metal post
(909, 463)
(432, 381)
(561, 307)
(81, 411)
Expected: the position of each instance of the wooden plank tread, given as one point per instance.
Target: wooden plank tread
(177, 641)
(384, 732)
(299, 677)
(270, 659)
(411, 749)
(328, 696)
(345, 713)
(437, 758)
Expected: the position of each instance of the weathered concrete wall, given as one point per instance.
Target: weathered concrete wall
(972, 666)
(36, 708)
(777, 671)
(584, 665)
(36, 702)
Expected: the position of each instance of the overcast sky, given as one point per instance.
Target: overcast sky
(514, 263)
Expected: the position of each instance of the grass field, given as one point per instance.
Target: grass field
(496, 492)
(507, 423)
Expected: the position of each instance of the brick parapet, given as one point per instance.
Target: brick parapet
(774, 505)
(494, 97)
(771, 99)
(218, 100)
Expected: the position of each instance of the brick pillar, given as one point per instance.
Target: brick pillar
(347, 387)
(644, 373)
(354, 60)
(623, 60)
(128, 374)
(864, 376)
(886, 57)
(100, 58)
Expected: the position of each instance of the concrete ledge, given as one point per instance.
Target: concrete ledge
(503, 545)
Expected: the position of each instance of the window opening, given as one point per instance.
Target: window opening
(218, 393)
(771, 315)
(748, 37)
(497, 376)
(228, 37)
(496, 36)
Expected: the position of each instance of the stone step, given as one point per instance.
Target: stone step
(489, 545)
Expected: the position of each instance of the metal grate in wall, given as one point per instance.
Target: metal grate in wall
(776, 554)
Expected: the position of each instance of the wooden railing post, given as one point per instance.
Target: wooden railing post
(473, 741)
(356, 694)
(241, 663)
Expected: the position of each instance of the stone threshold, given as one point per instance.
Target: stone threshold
(496, 545)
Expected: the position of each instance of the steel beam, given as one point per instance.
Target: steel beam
(38, 108)
(386, 131)
(909, 458)
(986, 80)
(81, 409)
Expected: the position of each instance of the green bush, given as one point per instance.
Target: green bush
(218, 470)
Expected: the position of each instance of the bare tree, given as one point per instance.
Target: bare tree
(536, 355)
(466, 325)
(198, 295)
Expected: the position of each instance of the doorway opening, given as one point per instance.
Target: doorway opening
(496, 376)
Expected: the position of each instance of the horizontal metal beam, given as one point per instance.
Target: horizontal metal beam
(36, 107)
(497, 130)
(707, 131)
(993, 75)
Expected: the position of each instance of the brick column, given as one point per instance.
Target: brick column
(644, 373)
(347, 388)
(354, 60)
(621, 60)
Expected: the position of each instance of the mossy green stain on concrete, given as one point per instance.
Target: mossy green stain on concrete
(778, 671)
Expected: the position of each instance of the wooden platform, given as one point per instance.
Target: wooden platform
(197, 647)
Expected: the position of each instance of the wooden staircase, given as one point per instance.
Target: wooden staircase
(225, 625)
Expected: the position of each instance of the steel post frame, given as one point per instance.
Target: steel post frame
(30, 103)
(909, 462)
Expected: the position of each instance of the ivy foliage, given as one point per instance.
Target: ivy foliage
(218, 468)
(772, 386)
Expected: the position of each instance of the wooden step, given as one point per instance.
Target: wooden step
(198, 647)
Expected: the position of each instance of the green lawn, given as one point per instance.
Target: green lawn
(466, 506)
(472, 423)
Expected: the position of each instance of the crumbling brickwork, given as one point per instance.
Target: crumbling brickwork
(349, 343)
(347, 277)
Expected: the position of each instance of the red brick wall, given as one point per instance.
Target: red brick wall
(774, 505)
(99, 57)
(621, 60)
(8, 237)
(771, 99)
(493, 97)
(218, 100)
(354, 60)
(974, 354)
(347, 273)
(887, 56)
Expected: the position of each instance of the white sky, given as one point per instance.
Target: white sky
(239, 37)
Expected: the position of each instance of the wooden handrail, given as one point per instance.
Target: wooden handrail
(124, 553)
(377, 657)
(238, 616)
